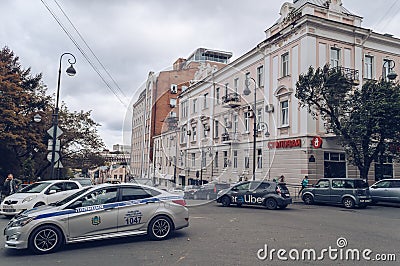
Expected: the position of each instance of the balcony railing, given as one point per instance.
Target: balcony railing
(230, 137)
(350, 74)
(231, 100)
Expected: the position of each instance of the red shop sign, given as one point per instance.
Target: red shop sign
(284, 144)
(316, 142)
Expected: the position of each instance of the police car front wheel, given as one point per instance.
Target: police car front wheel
(225, 201)
(45, 239)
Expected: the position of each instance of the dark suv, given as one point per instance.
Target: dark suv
(265, 193)
(349, 192)
(209, 191)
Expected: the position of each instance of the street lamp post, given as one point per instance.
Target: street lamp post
(247, 92)
(71, 72)
(391, 75)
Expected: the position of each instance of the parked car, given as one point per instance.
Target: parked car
(37, 194)
(99, 212)
(177, 191)
(264, 193)
(189, 191)
(209, 191)
(385, 190)
(349, 192)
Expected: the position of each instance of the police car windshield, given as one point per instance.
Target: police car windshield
(71, 197)
(34, 188)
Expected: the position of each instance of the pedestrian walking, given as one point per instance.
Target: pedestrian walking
(304, 184)
(10, 185)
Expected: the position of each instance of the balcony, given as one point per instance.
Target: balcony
(229, 138)
(231, 100)
(350, 74)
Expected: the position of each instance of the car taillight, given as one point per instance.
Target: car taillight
(215, 189)
(278, 190)
(180, 202)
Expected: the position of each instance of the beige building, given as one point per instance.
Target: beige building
(216, 119)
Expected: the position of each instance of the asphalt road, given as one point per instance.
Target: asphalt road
(234, 236)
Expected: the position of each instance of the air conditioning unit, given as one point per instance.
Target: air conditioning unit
(174, 88)
(228, 124)
(189, 132)
(249, 113)
(206, 127)
(269, 108)
(172, 114)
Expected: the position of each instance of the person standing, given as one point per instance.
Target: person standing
(10, 185)
(304, 184)
(282, 179)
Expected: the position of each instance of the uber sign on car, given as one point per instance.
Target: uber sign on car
(265, 193)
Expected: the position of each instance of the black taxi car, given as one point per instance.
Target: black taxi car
(265, 193)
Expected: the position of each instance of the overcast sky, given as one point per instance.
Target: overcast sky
(133, 37)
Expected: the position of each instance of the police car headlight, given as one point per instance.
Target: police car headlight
(21, 221)
(28, 199)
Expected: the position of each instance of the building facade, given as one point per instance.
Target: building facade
(156, 110)
(216, 119)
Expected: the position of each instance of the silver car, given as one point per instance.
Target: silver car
(387, 190)
(93, 213)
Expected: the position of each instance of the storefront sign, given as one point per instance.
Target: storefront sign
(284, 144)
(316, 142)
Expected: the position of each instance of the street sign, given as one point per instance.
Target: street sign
(50, 145)
(56, 156)
(58, 131)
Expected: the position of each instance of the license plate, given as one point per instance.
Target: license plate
(365, 200)
(7, 207)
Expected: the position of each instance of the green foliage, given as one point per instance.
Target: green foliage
(364, 119)
(23, 142)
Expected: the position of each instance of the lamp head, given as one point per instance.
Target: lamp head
(71, 71)
(392, 75)
(37, 118)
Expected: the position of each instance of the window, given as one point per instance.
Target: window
(226, 89)
(205, 104)
(285, 64)
(259, 117)
(193, 159)
(217, 91)
(135, 193)
(194, 105)
(172, 102)
(216, 160)
(184, 108)
(183, 134)
(334, 165)
(235, 159)
(216, 128)
(247, 121)
(235, 123)
(260, 76)
(368, 66)
(236, 84)
(323, 184)
(335, 57)
(259, 158)
(225, 159)
(203, 159)
(97, 197)
(246, 160)
(194, 133)
(285, 113)
(72, 185)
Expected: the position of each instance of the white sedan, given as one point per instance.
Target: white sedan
(37, 194)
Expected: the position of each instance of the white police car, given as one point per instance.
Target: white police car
(100, 212)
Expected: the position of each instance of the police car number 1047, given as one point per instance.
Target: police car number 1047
(133, 220)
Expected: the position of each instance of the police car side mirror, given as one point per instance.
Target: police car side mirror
(53, 191)
(317, 186)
